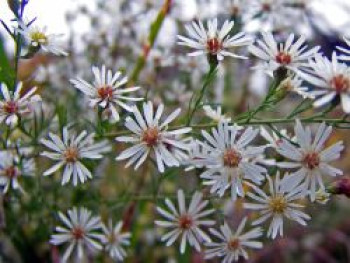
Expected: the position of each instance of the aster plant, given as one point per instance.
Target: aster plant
(141, 141)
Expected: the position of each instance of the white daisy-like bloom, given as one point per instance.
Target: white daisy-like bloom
(274, 139)
(345, 56)
(107, 91)
(38, 37)
(229, 159)
(232, 245)
(151, 137)
(213, 41)
(281, 201)
(14, 106)
(115, 240)
(215, 115)
(70, 151)
(310, 157)
(12, 168)
(185, 224)
(291, 54)
(81, 230)
(195, 153)
(332, 78)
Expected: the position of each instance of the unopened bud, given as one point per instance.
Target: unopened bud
(341, 187)
(284, 88)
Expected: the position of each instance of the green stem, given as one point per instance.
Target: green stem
(312, 119)
(207, 81)
(154, 31)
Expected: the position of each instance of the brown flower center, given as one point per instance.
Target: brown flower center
(112, 238)
(214, 45)
(278, 204)
(185, 222)
(232, 158)
(11, 172)
(233, 244)
(71, 154)
(105, 92)
(78, 233)
(340, 83)
(150, 136)
(11, 107)
(266, 7)
(235, 10)
(311, 160)
(283, 58)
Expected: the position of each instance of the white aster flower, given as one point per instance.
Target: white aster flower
(196, 152)
(333, 79)
(213, 41)
(229, 160)
(310, 156)
(16, 105)
(269, 13)
(12, 168)
(115, 240)
(346, 51)
(70, 151)
(231, 246)
(152, 137)
(290, 55)
(274, 139)
(38, 37)
(215, 115)
(279, 203)
(81, 231)
(107, 91)
(186, 223)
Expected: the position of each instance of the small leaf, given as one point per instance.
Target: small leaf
(7, 74)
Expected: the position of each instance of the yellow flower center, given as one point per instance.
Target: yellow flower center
(278, 204)
(39, 37)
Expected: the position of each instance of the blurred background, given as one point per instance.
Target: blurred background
(115, 33)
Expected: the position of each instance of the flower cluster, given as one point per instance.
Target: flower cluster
(83, 231)
(229, 151)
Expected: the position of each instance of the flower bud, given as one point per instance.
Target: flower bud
(284, 88)
(341, 187)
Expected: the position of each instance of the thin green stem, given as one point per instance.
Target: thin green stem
(312, 119)
(207, 81)
(154, 31)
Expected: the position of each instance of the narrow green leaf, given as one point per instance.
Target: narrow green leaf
(7, 74)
